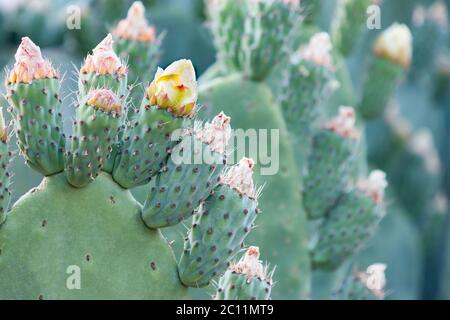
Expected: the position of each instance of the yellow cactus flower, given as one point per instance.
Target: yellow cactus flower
(395, 45)
(175, 88)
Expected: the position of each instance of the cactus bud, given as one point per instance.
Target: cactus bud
(30, 64)
(395, 45)
(105, 100)
(248, 279)
(374, 186)
(344, 123)
(135, 27)
(365, 285)
(137, 42)
(217, 133)
(239, 177)
(318, 51)
(175, 88)
(103, 69)
(103, 59)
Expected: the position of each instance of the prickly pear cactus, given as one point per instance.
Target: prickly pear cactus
(80, 234)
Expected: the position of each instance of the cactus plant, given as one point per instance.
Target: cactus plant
(81, 227)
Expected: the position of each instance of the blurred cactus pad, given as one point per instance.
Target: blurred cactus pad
(225, 149)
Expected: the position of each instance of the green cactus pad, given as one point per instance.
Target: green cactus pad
(381, 81)
(5, 180)
(38, 123)
(146, 146)
(330, 169)
(180, 188)
(236, 286)
(219, 228)
(91, 144)
(345, 230)
(56, 229)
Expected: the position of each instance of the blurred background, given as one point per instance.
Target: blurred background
(409, 143)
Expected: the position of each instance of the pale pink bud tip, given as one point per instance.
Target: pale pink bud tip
(104, 60)
(344, 123)
(251, 266)
(422, 144)
(30, 64)
(240, 177)
(318, 50)
(105, 100)
(374, 279)
(217, 133)
(135, 26)
(374, 186)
